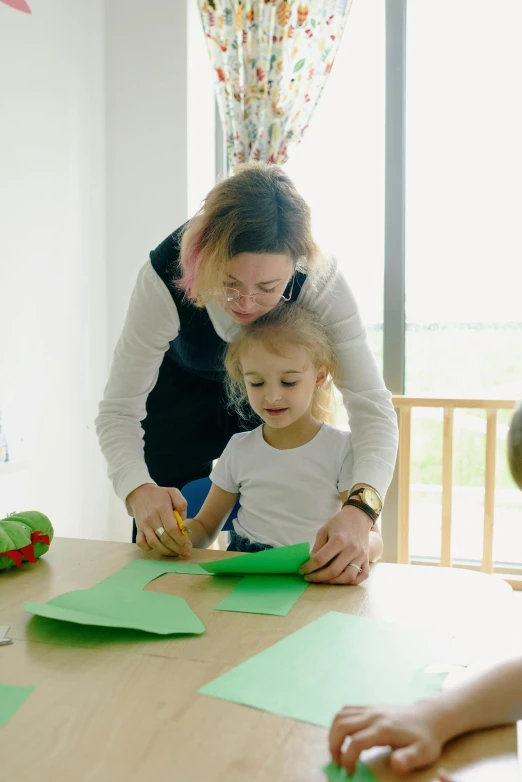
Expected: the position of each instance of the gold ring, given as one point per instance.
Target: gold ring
(358, 569)
(159, 532)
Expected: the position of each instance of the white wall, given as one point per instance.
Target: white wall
(160, 133)
(145, 52)
(201, 113)
(106, 146)
(160, 144)
(52, 260)
(146, 98)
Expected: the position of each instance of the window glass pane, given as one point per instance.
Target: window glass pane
(339, 166)
(463, 255)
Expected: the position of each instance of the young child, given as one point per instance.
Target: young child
(417, 733)
(292, 474)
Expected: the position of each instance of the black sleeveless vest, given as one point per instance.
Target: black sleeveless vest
(197, 348)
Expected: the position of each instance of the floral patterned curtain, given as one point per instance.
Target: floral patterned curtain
(271, 59)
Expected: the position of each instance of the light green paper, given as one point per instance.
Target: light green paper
(140, 572)
(12, 696)
(152, 612)
(338, 659)
(158, 568)
(264, 594)
(336, 774)
(286, 559)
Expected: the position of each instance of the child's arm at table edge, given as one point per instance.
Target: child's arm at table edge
(490, 698)
(206, 526)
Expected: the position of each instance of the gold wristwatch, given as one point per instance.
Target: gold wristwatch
(367, 500)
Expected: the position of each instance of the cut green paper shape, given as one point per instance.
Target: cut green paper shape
(152, 612)
(264, 594)
(339, 659)
(140, 572)
(12, 696)
(336, 774)
(159, 568)
(286, 559)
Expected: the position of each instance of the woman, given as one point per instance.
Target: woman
(164, 418)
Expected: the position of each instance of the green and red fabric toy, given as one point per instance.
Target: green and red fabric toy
(23, 538)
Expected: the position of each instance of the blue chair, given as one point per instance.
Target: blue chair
(195, 494)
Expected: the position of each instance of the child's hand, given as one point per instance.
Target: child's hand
(444, 776)
(411, 731)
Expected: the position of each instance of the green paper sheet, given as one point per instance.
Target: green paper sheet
(338, 659)
(265, 594)
(140, 572)
(12, 697)
(336, 774)
(152, 612)
(158, 568)
(286, 559)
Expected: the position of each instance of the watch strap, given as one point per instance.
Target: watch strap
(358, 493)
(362, 506)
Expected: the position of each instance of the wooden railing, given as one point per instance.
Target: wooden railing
(405, 406)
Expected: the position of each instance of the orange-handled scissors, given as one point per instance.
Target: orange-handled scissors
(181, 523)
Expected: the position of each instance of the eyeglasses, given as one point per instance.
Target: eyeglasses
(262, 299)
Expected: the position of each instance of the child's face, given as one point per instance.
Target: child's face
(280, 388)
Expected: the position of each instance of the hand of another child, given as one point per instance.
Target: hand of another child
(412, 732)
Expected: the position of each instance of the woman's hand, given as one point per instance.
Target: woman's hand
(153, 509)
(413, 732)
(341, 543)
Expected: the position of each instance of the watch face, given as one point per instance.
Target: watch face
(370, 497)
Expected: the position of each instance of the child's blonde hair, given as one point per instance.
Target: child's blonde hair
(257, 210)
(286, 324)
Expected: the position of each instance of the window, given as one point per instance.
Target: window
(339, 165)
(463, 256)
(463, 237)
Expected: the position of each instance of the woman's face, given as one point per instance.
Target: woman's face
(251, 274)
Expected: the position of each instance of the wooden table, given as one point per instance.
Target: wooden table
(116, 705)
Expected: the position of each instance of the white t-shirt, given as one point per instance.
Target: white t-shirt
(152, 323)
(285, 495)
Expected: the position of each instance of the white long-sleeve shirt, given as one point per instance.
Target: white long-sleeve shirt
(152, 322)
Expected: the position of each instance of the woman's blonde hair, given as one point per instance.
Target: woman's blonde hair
(286, 324)
(257, 210)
